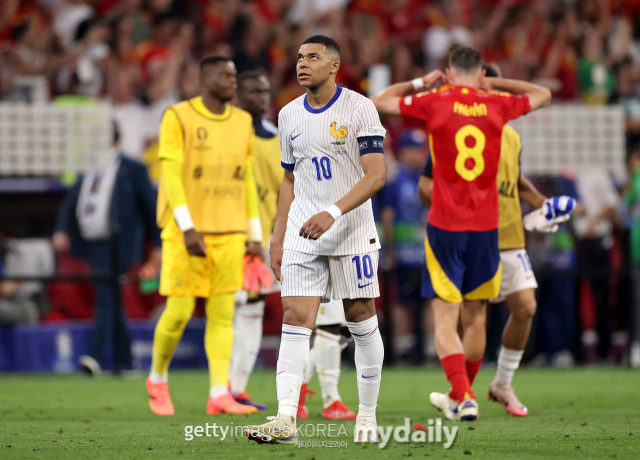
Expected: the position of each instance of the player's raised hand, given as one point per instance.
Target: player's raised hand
(433, 77)
(195, 243)
(486, 83)
(275, 253)
(315, 227)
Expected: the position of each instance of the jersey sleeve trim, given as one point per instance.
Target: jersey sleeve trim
(287, 166)
(370, 144)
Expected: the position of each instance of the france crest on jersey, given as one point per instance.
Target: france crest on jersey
(323, 148)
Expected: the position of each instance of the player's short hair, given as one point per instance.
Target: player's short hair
(249, 75)
(328, 42)
(213, 60)
(465, 59)
(490, 70)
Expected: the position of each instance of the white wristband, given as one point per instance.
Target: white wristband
(418, 83)
(254, 230)
(183, 218)
(334, 211)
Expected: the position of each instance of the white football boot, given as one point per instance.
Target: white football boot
(366, 430)
(444, 403)
(278, 430)
(468, 410)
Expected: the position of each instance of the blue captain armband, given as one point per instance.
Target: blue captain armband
(370, 144)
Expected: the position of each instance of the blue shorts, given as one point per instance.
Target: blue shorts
(461, 265)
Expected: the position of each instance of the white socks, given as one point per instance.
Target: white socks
(247, 336)
(292, 365)
(311, 366)
(327, 360)
(369, 356)
(508, 362)
(158, 378)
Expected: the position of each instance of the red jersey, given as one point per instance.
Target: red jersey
(465, 132)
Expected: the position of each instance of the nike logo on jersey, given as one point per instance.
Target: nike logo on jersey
(293, 137)
(279, 373)
(360, 287)
(369, 376)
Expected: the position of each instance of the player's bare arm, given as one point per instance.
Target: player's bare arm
(285, 198)
(425, 188)
(539, 97)
(373, 180)
(529, 193)
(387, 101)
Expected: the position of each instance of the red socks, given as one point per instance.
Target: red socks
(472, 369)
(456, 372)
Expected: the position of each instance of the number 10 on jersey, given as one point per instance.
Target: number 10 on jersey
(325, 165)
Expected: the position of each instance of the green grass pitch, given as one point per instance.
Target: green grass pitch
(579, 413)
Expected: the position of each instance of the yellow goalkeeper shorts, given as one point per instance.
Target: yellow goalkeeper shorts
(221, 271)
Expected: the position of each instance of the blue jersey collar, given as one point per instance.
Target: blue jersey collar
(322, 109)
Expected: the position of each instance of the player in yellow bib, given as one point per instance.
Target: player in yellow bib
(207, 209)
(254, 96)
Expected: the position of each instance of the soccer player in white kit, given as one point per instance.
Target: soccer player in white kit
(325, 241)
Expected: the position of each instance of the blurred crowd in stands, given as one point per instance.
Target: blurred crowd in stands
(142, 56)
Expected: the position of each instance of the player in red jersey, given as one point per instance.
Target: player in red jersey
(465, 120)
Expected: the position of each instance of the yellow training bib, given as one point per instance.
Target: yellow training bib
(217, 149)
(268, 174)
(510, 229)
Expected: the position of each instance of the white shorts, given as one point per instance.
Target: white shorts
(330, 277)
(517, 274)
(331, 313)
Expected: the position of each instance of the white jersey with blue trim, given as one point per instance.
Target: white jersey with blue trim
(323, 148)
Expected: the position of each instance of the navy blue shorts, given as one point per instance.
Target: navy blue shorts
(461, 265)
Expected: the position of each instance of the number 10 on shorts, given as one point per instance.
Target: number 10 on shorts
(363, 266)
